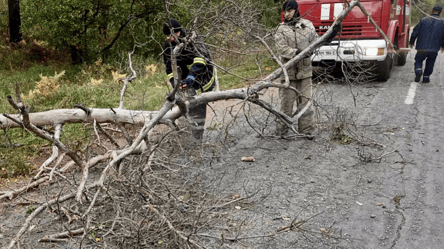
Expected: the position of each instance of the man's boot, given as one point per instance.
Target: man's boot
(418, 74)
(417, 77)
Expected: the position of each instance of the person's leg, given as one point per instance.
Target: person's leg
(307, 122)
(287, 98)
(430, 63)
(419, 58)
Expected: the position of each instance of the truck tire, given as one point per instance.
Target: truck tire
(402, 59)
(384, 68)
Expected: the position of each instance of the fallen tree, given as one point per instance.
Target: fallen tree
(173, 108)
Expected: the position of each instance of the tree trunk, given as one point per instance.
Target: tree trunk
(14, 21)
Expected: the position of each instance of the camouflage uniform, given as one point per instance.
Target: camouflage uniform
(291, 38)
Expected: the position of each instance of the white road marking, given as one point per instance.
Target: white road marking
(411, 94)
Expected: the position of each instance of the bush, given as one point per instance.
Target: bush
(90, 29)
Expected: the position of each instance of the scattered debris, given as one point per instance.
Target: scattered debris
(397, 199)
(247, 159)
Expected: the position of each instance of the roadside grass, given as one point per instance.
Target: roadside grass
(246, 69)
(15, 161)
(94, 86)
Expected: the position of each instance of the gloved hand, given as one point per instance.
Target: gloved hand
(188, 82)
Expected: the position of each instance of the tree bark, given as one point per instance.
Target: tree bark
(66, 116)
(15, 35)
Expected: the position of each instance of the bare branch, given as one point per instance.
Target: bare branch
(55, 150)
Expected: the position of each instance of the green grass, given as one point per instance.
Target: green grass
(16, 161)
(248, 70)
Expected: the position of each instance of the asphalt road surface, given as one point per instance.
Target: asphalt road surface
(385, 192)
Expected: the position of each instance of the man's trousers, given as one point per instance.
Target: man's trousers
(430, 57)
(306, 123)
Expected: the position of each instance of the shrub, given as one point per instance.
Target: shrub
(45, 88)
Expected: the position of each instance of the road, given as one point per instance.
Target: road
(385, 192)
(421, 181)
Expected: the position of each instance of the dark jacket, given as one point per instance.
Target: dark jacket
(430, 33)
(193, 61)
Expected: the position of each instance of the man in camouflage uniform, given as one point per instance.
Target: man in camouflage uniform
(292, 36)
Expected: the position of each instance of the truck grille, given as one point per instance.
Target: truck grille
(353, 31)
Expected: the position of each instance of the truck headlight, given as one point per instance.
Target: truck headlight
(374, 51)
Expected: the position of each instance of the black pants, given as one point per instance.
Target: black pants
(430, 57)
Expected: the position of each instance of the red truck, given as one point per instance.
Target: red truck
(359, 41)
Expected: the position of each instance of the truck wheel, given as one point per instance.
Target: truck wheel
(383, 69)
(402, 59)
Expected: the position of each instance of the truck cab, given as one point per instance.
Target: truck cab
(359, 41)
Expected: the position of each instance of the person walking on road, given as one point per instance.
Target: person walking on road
(292, 36)
(195, 72)
(429, 37)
